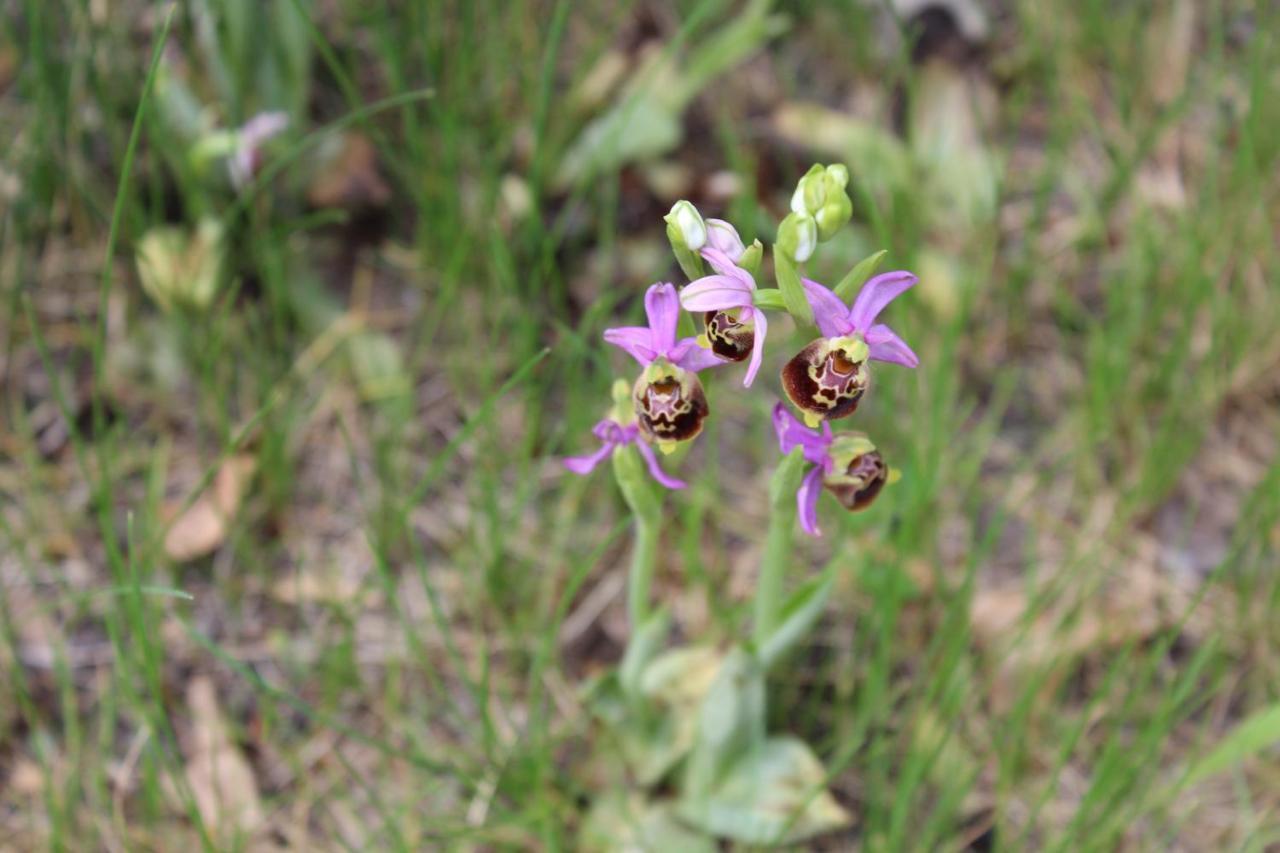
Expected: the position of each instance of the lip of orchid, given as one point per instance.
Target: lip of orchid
(837, 320)
(613, 436)
(647, 344)
(730, 288)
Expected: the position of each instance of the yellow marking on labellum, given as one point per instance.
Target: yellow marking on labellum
(812, 420)
(666, 448)
(704, 341)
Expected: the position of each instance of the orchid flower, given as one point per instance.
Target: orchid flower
(735, 327)
(614, 435)
(848, 465)
(246, 159)
(829, 376)
(668, 397)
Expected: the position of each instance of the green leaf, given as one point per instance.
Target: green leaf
(773, 795)
(796, 619)
(1250, 737)
(675, 684)
(624, 821)
(730, 722)
(641, 650)
(378, 366)
(793, 297)
(858, 276)
(636, 128)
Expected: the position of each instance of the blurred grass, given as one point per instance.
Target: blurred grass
(1067, 600)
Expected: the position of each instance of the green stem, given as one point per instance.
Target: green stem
(643, 559)
(646, 506)
(777, 545)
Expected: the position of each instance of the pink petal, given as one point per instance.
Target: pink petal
(715, 293)
(693, 357)
(876, 294)
(663, 308)
(586, 464)
(636, 340)
(655, 470)
(724, 238)
(807, 501)
(829, 312)
(724, 264)
(787, 427)
(885, 345)
(757, 347)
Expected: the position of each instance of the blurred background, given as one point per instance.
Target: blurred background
(301, 302)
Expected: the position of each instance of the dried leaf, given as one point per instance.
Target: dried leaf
(26, 778)
(221, 780)
(204, 525)
(349, 176)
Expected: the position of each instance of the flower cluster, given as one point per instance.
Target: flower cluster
(825, 381)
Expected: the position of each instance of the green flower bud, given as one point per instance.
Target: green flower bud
(811, 191)
(685, 226)
(797, 236)
(623, 411)
(687, 233)
(821, 195)
(751, 258)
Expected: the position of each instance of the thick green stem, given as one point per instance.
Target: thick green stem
(777, 545)
(644, 555)
(646, 506)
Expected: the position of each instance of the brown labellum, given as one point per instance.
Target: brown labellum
(861, 482)
(729, 337)
(670, 403)
(822, 379)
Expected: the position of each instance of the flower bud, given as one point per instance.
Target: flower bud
(811, 192)
(797, 236)
(751, 258)
(670, 404)
(685, 227)
(623, 411)
(821, 194)
(723, 236)
(180, 269)
(687, 234)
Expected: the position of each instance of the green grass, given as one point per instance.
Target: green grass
(1067, 601)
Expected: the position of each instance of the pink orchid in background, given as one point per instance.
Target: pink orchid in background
(735, 327)
(614, 435)
(829, 376)
(246, 159)
(848, 465)
(669, 401)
